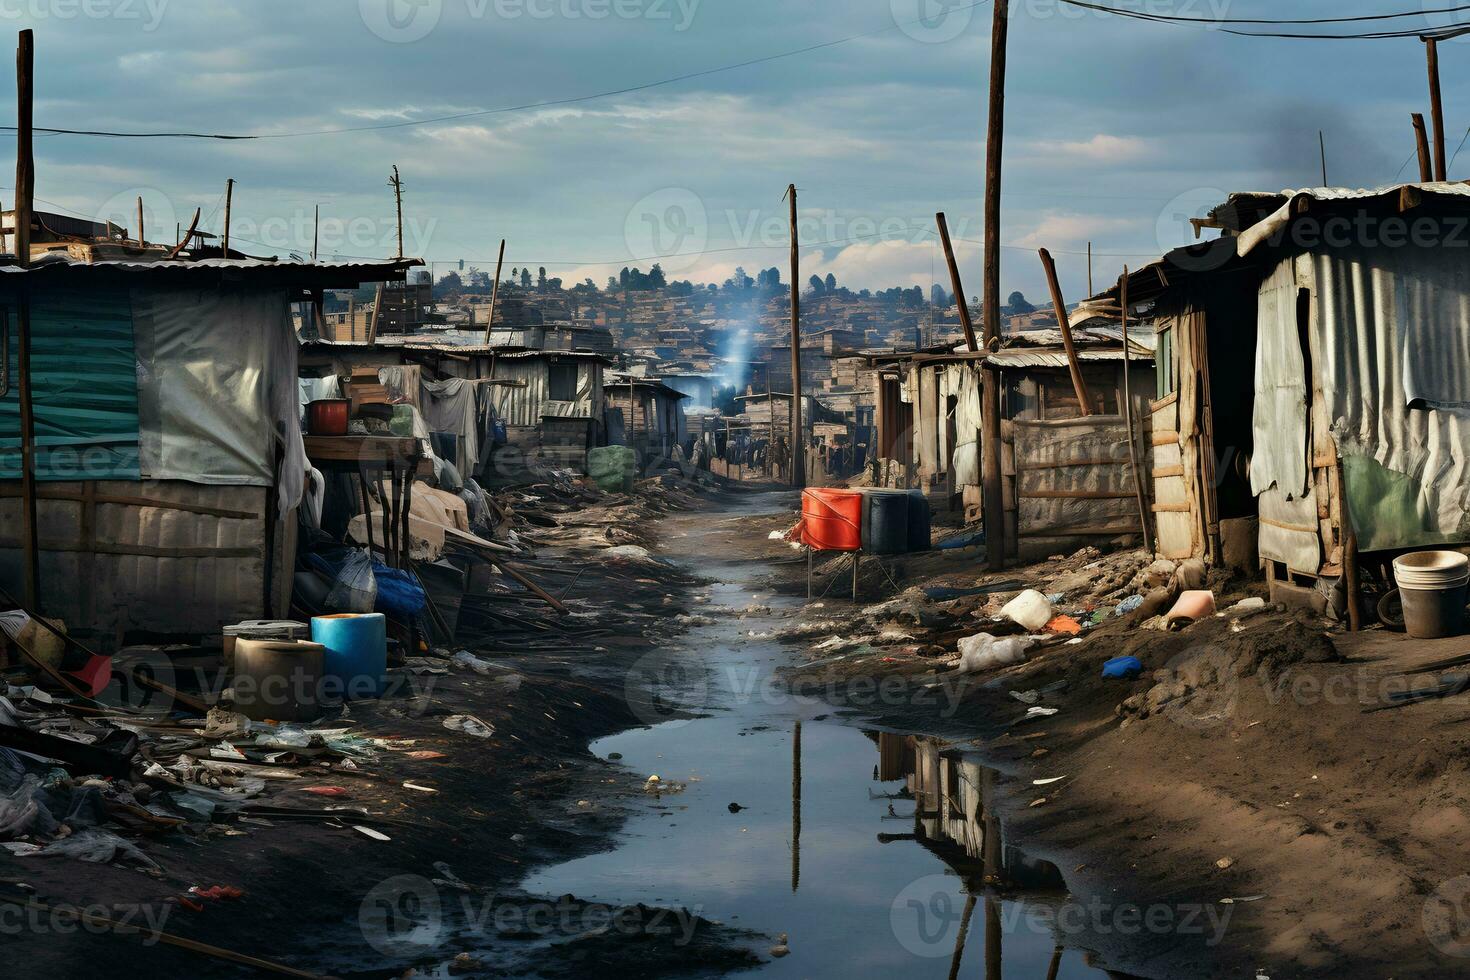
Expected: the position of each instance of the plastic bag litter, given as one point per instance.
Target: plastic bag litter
(1128, 605)
(1031, 610)
(984, 652)
(356, 588)
(470, 725)
(96, 846)
(631, 551)
(25, 810)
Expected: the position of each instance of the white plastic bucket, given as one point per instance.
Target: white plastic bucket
(1432, 587)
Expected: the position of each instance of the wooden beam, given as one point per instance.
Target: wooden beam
(1128, 417)
(229, 203)
(990, 461)
(1436, 107)
(1421, 143)
(798, 444)
(25, 189)
(494, 293)
(954, 279)
(1083, 398)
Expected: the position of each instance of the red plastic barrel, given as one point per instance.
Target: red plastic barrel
(832, 520)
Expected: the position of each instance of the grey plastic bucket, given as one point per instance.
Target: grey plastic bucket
(1432, 588)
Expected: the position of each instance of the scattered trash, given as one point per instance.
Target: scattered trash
(421, 789)
(1065, 625)
(1225, 863)
(1128, 605)
(370, 832)
(1194, 606)
(1039, 713)
(325, 790)
(425, 755)
(1031, 610)
(1244, 898)
(984, 652)
(1122, 668)
(470, 725)
(216, 893)
(1047, 782)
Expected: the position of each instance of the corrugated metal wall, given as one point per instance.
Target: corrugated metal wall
(84, 371)
(525, 406)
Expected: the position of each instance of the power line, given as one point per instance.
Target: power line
(503, 109)
(1213, 22)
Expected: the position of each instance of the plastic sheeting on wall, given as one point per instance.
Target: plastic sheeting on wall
(218, 389)
(85, 388)
(1279, 422)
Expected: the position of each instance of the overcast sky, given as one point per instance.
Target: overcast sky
(1116, 129)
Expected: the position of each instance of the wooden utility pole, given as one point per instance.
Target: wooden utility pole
(1436, 106)
(397, 184)
(1090, 293)
(1128, 419)
(990, 466)
(229, 202)
(1322, 145)
(798, 444)
(1421, 143)
(25, 189)
(316, 231)
(1058, 304)
(142, 235)
(494, 293)
(954, 281)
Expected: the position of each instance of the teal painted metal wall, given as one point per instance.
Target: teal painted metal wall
(85, 388)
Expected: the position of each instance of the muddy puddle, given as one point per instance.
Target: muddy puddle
(869, 851)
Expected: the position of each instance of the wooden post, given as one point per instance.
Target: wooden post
(397, 184)
(142, 236)
(1090, 293)
(798, 444)
(1421, 141)
(954, 280)
(990, 466)
(796, 800)
(494, 293)
(1061, 310)
(316, 231)
(25, 189)
(1128, 419)
(1436, 106)
(372, 329)
(1322, 145)
(229, 200)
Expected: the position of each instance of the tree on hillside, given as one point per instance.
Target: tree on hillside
(541, 279)
(451, 283)
(525, 278)
(831, 283)
(1017, 303)
(818, 286)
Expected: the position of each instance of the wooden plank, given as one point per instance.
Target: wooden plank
(1164, 472)
(86, 496)
(1076, 495)
(1171, 508)
(1164, 402)
(145, 551)
(1165, 438)
(1067, 464)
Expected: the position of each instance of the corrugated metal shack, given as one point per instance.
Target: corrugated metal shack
(1067, 478)
(1350, 309)
(653, 415)
(169, 452)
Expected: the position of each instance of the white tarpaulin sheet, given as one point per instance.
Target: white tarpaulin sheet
(217, 388)
(1279, 423)
(1394, 330)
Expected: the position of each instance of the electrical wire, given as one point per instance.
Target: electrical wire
(572, 100)
(1449, 30)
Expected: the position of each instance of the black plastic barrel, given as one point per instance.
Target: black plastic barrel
(885, 521)
(920, 523)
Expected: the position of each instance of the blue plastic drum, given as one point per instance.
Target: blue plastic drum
(357, 652)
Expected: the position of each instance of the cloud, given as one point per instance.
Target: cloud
(1100, 149)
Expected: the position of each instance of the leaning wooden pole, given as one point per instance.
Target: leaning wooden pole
(1436, 107)
(1421, 145)
(229, 203)
(494, 293)
(1128, 420)
(1058, 304)
(25, 189)
(990, 464)
(798, 444)
(954, 281)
